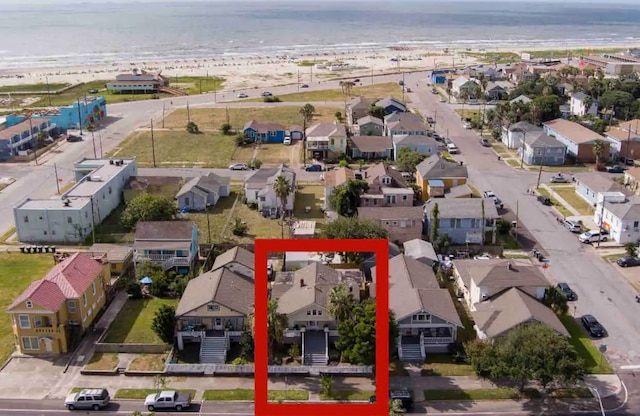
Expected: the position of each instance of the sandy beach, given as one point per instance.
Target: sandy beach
(257, 72)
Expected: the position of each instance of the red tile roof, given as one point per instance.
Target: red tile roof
(68, 279)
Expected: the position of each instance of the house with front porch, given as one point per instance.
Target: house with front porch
(264, 132)
(326, 140)
(371, 147)
(303, 296)
(465, 220)
(173, 245)
(213, 312)
(51, 315)
(425, 313)
(258, 189)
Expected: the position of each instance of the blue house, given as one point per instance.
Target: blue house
(20, 135)
(438, 77)
(418, 143)
(462, 218)
(82, 113)
(391, 105)
(264, 132)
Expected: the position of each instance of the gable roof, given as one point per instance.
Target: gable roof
(377, 171)
(407, 124)
(510, 309)
(542, 139)
(413, 287)
(372, 143)
(495, 275)
(210, 183)
(410, 118)
(524, 126)
(327, 128)
(359, 103)
(601, 182)
(391, 101)
(390, 213)
(369, 119)
(164, 230)
(632, 125)
(626, 211)
(574, 132)
(68, 279)
(262, 127)
(435, 167)
(462, 208)
(619, 135)
(414, 139)
(221, 286)
(237, 254)
(418, 248)
(338, 176)
(260, 177)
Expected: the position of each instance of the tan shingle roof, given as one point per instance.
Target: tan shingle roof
(220, 286)
(575, 132)
(372, 143)
(237, 254)
(391, 213)
(435, 167)
(510, 309)
(164, 230)
(338, 176)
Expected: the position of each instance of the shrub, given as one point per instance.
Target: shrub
(271, 99)
(294, 351)
(225, 128)
(239, 227)
(134, 290)
(503, 226)
(192, 128)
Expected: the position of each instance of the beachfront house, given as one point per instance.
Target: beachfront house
(138, 81)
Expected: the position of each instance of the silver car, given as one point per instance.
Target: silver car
(94, 399)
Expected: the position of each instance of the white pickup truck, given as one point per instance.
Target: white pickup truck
(168, 399)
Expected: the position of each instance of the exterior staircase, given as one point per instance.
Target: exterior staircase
(213, 350)
(315, 359)
(172, 91)
(411, 353)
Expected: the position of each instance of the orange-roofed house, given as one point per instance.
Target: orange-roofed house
(54, 311)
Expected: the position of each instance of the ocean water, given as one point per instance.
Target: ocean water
(93, 33)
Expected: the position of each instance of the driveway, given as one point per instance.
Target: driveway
(603, 291)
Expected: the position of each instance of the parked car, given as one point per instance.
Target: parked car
(485, 143)
(401, 83)
(168, 399)
(238, 166)
(559, 178)
(286, 141)
(628, 161)
(567, 292)
(466, 125)
(593, 236)
(243, 95)
(94, 399)
(313, 168)
(443, 100)
(408, 89)
(304, 86)
(402, 395)
(544, 200)
(573, 226)
(434, 91)
(430, 120)
(452, 148)
(616, 169)
(437, 137)
(593, 327)
(496, 200)
(628, 261)
(266, 94)
(93, 91)
(356, 80)
(73, 138)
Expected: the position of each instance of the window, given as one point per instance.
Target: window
(53, 232)
(386, 180)
(40, 218)
(93, 288)
(404, 197)
(314, 312)
(26, 219)
(37, 322)
(109, 190)
(186, 201)
(23, 320)
(309, 313)
(213, 308)
(45, 233)
(30, 343)
(69, 220)
(421, 317)
(452, 223)
(391, 199)
(84, 298)
(71, 306)
(636, 224)
(458, 223)
(29, 304)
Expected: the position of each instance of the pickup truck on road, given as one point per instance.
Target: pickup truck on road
(168, 399)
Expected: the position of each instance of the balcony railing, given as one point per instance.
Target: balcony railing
(48, 329)
(438, 340)
(317, 146)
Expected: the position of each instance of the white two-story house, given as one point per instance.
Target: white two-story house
(258, 189)
(171, 244)
(619, 215)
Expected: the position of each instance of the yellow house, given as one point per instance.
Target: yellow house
(119, 256)
(436, 175)
(58, 308)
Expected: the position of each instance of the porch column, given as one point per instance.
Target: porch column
(180, 342)
(302, 332)
(424, 355)
(326, 344)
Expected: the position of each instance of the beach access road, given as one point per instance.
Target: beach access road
(602, 290)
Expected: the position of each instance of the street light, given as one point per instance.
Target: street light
(597, 394)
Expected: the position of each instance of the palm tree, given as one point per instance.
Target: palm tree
(395, 408)
(282, 188)
(598, 151)
(341, 303)
(276, 324)
(588, 102)
(307, 112)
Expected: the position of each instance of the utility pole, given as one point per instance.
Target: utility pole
(188, 113)
(79, 117)
(163, 107)
(311, 68)
(153, 146)
(298, 80)
(524, 139)
(200, 86)
(435, 119)
(372, 75)
(601, 220)
(93, 139)
(517, 220)
(403, 87)
(55, 170)
(100, 140)
(544, 155)
(626, 156)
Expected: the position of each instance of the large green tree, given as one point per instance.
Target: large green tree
(408, 159)
(276, 324)
(378, 112)
(282, 188)
(164, 323)
(527, 353)
(341, 303)
(147, 207)
(345, 199)
(547, 107)
(354, 228)
(357, 341)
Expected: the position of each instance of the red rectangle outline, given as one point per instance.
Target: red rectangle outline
(261, 377)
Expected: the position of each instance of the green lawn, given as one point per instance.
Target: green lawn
(565, 212)
(148, 362)
(309, 196)
(348, 395)
(572, 198)
(444, 365)
(504, 393)
(33, 87)
(17, 271)
(111, 229)
(141, 394)
(197, 85)
(248, 394)
(594, 361)
(133, 323)
(372, 92)
(562, 53)
(178, 149)
(213, 118)
(610, 258)
(102, 361)
(494, 57)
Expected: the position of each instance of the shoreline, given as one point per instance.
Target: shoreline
(256, 72)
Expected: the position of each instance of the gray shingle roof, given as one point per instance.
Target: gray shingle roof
(510, 309)
(220, 286)
(370, 119)
(393, 117)
(543, 140)
(627, 211)
(414, 139)
(418, 248)
(263, 127)
(236, 254)
(164, 230)
(391, 101)
(524, 126)
(326, 128)
(390, 213)
(372, 143)
(462, 207)
(261, 176)
(435, 167)
(210, 183)
(360, 103)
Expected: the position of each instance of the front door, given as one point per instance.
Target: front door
(48, 347)
(218, 324)
(312, 324)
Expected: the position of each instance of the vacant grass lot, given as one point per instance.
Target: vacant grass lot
(141, 394)
(33, 87)
(247, 394)
(148, 362)
(504, 393)
(178, 149)
(309, 196)
(111, 229)
(372, 92)
(102, 361)
(213, 118)
(562, 53)
(268, 153)
(17, 271)
(595, 362)
(579, 204)
(133, 324)
(565, 212)
(348, 395)
(443, 365)
(494, 57)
